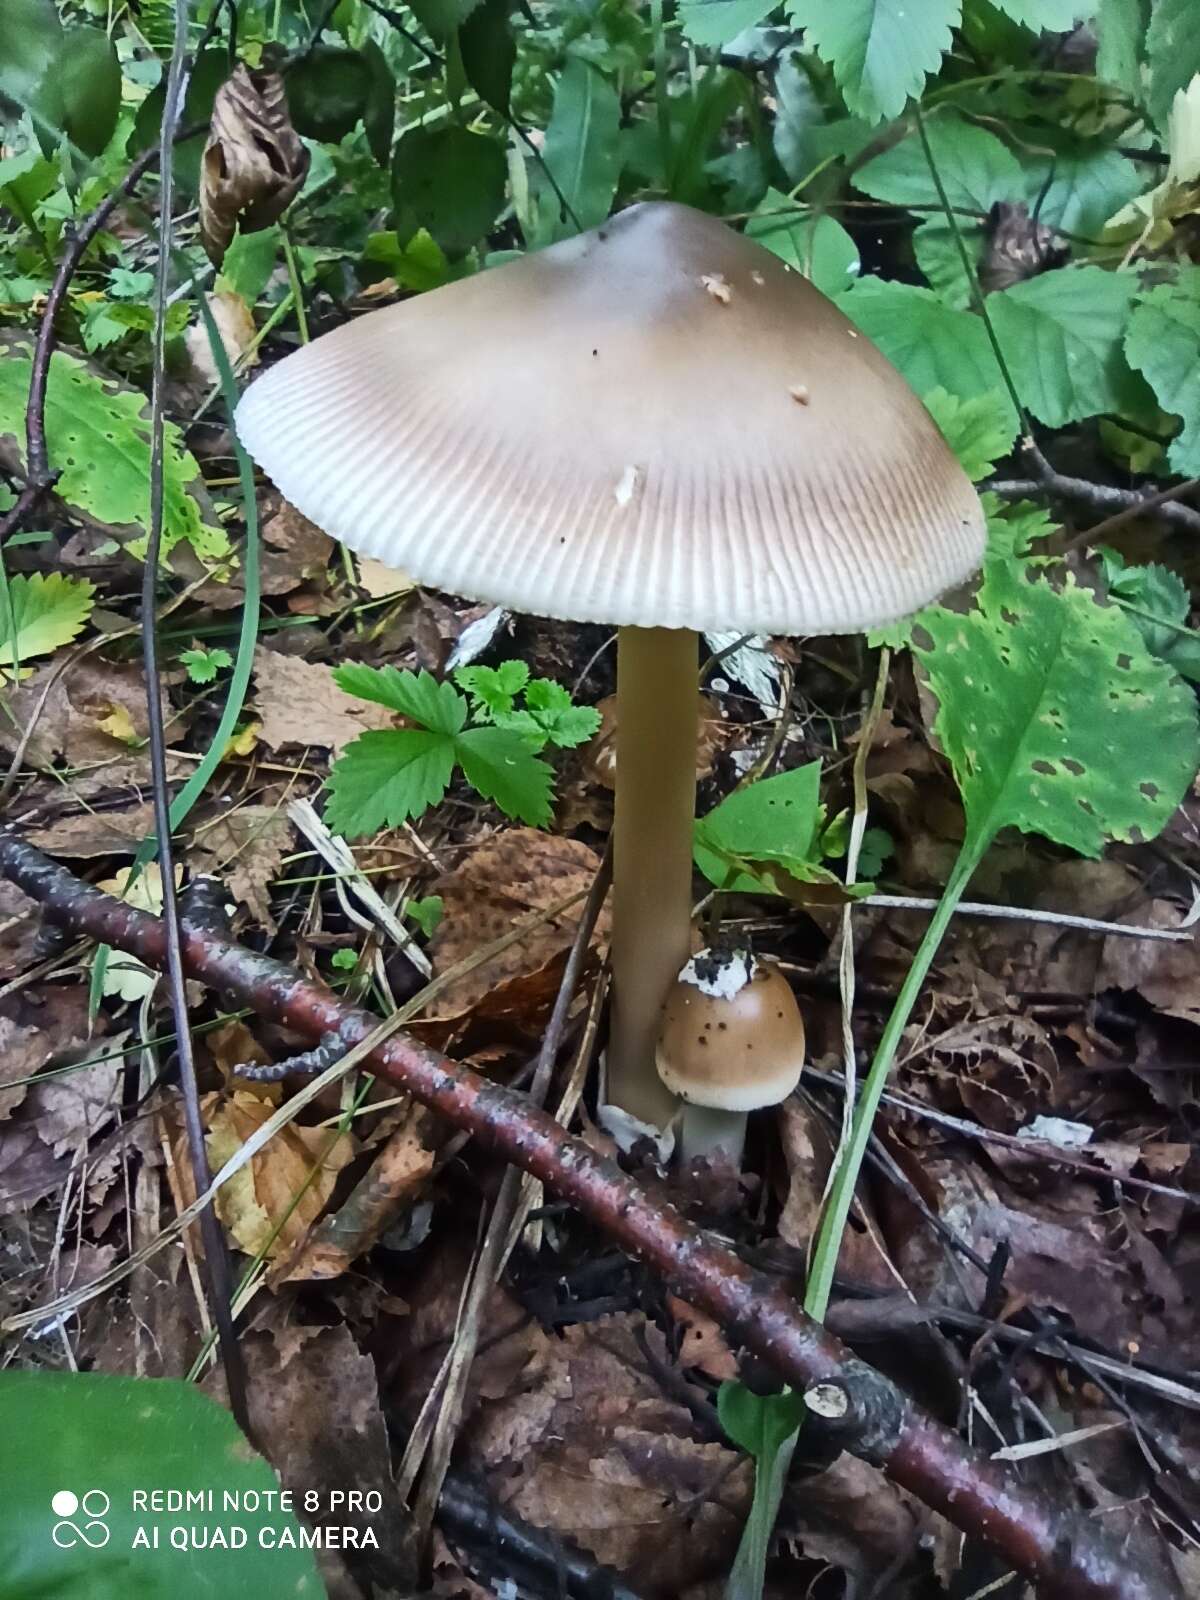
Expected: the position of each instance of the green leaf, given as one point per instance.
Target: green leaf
(1173, 50)
(931, 343)
(379, 113)
(71, 1518)
(384, 777)
(489, 53)
(493, 690)
(426, 913)
(777, 819)
(980, 430)
(758, 1423)
(437, 706)
(881, 51)
(976, 169)
(249, 263)
(203, 665)
(716, 22)
(1084, 181)
(440, 18)
(327, 92)
(31, 38)
(1043, 16)
(500, 765)
(813, 242)
(1163, 343)
(1120, 28)
(449, 181)
(98, 435)
(81, 93)
(1056, 719)
(582, 151)
(1061, 335)
(47, 610)
(559, 721)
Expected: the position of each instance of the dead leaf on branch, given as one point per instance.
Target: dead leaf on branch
(254, 164)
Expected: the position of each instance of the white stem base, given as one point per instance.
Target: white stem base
(706, 1132)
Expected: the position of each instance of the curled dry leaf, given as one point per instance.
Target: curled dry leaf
(600, 752)
(254, 163)
(259, 1198)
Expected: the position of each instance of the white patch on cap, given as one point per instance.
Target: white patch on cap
(727, 981)
(623, 493)
(718, 287)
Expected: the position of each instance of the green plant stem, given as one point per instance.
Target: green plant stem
(295, 283)
(845, 1178)
(662, 102)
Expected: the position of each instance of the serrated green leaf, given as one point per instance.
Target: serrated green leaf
(98, 434)
(1173, 51)
(493, 689)
(1078, 184)
(976, 169)
(101, 1440)
(449, 181)
(1061, 334)
(384, 777)
(47, 610)
(813, 242)
(203, 665)
(1042, 16)
(980, 431)
(716, 22)
(559, 721)
(426, 913)
(881, 51)
(1163, 344)
(436, 706)
(582, 150)
(1056, 719)
(500, 765)
(931, 343)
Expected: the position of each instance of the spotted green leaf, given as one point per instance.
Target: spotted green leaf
(1055, 717)
(98, 435)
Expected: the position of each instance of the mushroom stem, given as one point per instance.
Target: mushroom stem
(657, 725)
(706, 1131)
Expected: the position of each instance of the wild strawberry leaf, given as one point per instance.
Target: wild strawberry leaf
(40, 613)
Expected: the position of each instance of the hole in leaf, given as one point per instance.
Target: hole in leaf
(1046, 767)
(1150, 790)
(1076, 768)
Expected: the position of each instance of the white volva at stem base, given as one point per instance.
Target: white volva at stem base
(657, 722)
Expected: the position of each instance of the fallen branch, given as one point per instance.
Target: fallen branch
(1067, 1555)
(1117, 504)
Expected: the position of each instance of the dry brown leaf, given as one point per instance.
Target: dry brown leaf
(254, 164)
(507, 877)
(25, 1050)
(245, 849)
(600, 752)
(293, 550)
(395, 1179)
(259, 1197)
(702, 1344)
(71, 725)
(87, 834)
(300, 704)
(379, 580)
(855, 1520)
(1164, 972)
(235, 324)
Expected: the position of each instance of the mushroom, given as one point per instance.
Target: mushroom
(731, 1041)
(592, 433)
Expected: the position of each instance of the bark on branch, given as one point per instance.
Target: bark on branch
(1064, 1553)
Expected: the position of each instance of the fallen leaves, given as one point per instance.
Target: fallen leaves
(245, 849)
(513, 873)
(300, 704)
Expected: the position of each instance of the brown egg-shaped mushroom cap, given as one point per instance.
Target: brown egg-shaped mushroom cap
(732, 1037)
(656, 423)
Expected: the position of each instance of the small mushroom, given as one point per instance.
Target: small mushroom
(578, 434)
(731, 1041)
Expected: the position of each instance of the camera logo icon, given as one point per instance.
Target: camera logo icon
(81, 1519)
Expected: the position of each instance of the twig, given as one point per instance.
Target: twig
(1119, 503)
(1068, 1555)
(218, 1275)
(1060, 919)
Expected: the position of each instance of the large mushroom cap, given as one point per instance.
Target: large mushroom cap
(656, 423)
